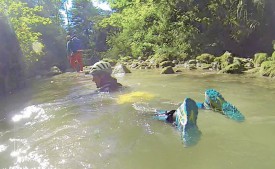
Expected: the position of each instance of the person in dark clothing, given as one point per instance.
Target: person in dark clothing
(74, 53)
(101, 72)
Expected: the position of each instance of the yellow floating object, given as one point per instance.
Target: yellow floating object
(134, 97)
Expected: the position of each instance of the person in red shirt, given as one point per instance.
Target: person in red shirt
(74, 53)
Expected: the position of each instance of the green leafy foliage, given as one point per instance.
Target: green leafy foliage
(146, 28)
(23, 20)
(83, 17)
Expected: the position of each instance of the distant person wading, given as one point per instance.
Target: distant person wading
(74, 53)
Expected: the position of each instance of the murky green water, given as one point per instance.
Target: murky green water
(59, 123)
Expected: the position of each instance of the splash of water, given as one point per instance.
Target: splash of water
(27, 112)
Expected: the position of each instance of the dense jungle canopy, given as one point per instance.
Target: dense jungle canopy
(33, 32)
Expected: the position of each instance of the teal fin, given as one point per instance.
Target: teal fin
(232, 112)
(215, 101)
(186, 122)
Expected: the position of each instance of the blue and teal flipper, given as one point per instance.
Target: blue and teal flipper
(215, 101)
(186, 122)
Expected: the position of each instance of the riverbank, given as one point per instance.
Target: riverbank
(260, 65)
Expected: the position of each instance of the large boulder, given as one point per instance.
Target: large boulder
(205, 58)
(167, 70)
(225, 60)
(120, 68)
(259, 58)
(268, 68)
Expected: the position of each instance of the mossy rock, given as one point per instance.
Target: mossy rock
(248, 65)
(206, 66)
(259, 58)
(167, 70)
(205, 58)
(166, 64)
(255, 70)
(268, 68)
(192, 66)
(234, 68)
(192, 61)
(225, 59)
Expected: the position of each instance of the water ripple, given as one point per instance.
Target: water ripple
(26, 113)
(3, 148)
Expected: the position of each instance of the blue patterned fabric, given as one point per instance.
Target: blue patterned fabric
(215, 101)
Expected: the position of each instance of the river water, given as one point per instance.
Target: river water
(59, 123)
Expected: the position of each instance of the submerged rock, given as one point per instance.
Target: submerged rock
(167, 70)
